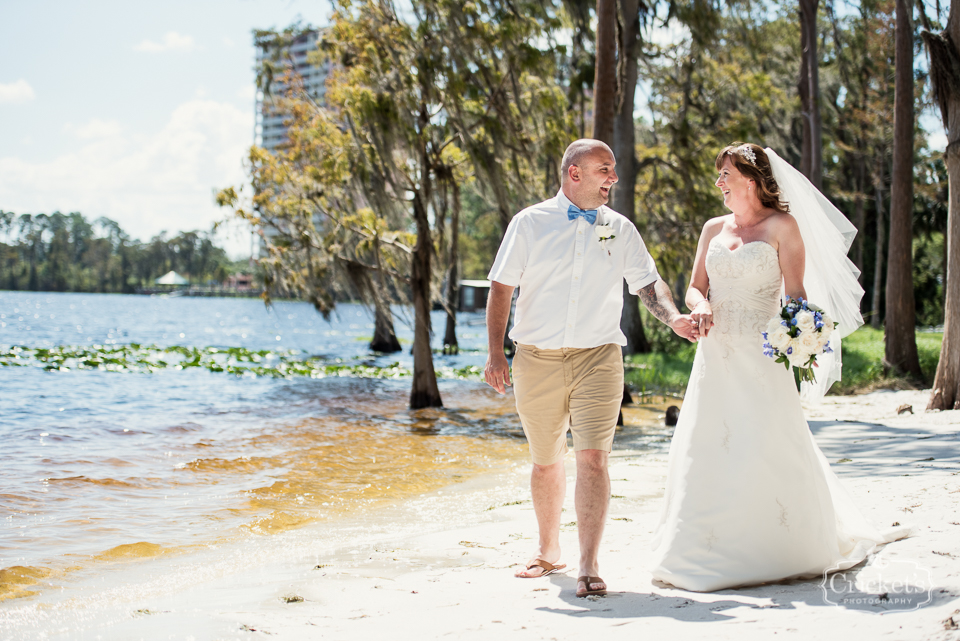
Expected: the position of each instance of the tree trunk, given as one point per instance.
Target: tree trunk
(624, 142)
(860, 215)
(452, 296)
(900, 317)
(811, 163)
(384, 338)
(878, 256)
(424, 392)
(605, 72)
(945, 72)
(946, 383)
(372, 292)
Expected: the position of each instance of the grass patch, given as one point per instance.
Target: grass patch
(863, 369)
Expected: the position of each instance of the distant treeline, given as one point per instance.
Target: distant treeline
(67, 253)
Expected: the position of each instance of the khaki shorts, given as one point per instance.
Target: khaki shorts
(557, 389)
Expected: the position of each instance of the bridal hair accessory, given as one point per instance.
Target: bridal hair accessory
(830, 278)
(748, 154)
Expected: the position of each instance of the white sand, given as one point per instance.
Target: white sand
(440, 567)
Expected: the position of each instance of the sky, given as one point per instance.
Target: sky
(136, 111)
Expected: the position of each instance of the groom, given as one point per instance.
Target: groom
(569, 255)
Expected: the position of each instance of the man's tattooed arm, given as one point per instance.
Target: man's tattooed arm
(658, 300)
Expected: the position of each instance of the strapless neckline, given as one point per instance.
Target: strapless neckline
(736, 249)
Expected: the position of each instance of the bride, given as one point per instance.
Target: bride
(749, 497)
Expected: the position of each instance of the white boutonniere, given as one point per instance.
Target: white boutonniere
(605, 234)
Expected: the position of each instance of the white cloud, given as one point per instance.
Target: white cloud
(16, 92)
(164, 180)
(94, 129)
(248, 93)
(172, 41)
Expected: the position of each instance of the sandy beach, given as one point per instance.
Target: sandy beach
(440, 566)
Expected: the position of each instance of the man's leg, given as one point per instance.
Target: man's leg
(548, 485)
(542, 406)
(592, 499)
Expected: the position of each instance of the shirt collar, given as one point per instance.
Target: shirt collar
(563, 203)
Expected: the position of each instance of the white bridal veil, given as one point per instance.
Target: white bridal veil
(830, 278)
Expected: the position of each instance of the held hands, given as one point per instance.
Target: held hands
(702, 316)
(684, 326)
(497, 371)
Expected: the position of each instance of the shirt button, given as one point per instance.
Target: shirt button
(578, 253)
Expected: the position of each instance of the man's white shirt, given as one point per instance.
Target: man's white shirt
(571, 291)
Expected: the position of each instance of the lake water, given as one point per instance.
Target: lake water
(100, 467)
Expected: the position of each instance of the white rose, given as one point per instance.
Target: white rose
(797, 358)
(773, 325)
(827, 324)
(805, 321)
(779, 337)
(605, 232)
(810, 342)
(823, 338)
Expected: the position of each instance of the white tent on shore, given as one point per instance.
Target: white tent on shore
(171, 278)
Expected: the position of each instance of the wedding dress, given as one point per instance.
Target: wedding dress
(749, 497)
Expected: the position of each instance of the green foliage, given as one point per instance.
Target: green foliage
(67, 253)
(485, 92)
(705, 94)
(480, 234)
(929, 268)
(659, 373)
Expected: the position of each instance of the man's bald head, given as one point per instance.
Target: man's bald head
(578, 152)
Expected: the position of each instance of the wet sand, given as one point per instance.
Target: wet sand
(440, 566)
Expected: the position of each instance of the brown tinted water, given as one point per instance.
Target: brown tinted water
(257, 480)
(278, 477)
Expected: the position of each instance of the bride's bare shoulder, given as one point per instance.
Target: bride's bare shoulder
(713, 226)
(783, 222)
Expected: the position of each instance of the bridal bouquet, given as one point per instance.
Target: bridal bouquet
(799, 334)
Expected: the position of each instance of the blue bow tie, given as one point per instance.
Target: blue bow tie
(589, 215)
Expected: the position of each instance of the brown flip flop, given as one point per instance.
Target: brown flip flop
(548, 568)
(587, 580)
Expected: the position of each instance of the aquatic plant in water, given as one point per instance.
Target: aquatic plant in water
(238, 361)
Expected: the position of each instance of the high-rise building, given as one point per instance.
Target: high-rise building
(291, 56)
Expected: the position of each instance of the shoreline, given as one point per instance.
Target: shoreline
(440, 565)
